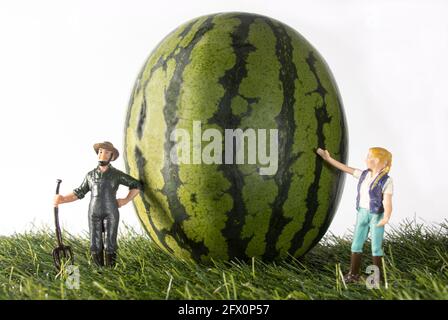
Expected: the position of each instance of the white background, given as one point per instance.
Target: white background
(67, 69)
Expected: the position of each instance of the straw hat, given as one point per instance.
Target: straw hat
(108, 146)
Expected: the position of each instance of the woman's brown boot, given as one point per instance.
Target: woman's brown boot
(355, 265)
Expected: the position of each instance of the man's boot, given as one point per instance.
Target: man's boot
(378, 261)
(110, 259)
(355, 266)
(98, 258)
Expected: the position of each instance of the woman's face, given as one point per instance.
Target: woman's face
(372, 162)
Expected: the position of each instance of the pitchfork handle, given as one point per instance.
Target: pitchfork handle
(56, 217)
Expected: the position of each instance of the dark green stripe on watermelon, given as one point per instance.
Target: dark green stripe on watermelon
(141, 162)
(170, 171)
(161, 63)
(227, 120)
(312, 203)
(141, 120)
(338, 184)
(286, 126)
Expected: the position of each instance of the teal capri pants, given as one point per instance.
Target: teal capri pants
(366, 221)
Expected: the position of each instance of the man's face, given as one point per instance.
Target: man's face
(104, 155)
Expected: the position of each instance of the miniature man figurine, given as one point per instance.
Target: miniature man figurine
(373, 203)
(103, 182)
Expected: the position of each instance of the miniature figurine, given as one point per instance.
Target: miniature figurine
(373, 203)
(103, 182)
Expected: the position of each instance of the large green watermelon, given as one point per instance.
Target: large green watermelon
(230, 71)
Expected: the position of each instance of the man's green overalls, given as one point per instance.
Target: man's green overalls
(103, 208)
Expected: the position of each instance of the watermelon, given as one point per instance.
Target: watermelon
(231, 71)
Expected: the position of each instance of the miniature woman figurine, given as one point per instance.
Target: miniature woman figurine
(373, 203)
(103, 182)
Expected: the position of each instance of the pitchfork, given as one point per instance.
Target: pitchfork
(60, 251)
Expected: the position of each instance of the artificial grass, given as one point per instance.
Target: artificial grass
(416, 263)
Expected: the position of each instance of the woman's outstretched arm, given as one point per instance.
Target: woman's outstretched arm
(335, 163)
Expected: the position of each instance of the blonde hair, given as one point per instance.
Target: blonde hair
(383, 156)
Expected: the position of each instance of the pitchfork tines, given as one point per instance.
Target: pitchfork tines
(61, 251)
